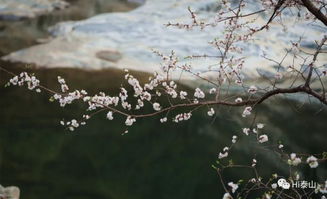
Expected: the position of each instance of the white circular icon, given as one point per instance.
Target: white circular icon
(283, 183)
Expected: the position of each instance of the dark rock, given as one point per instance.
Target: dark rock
(112, 56)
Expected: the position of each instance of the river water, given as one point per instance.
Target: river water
(170, 162)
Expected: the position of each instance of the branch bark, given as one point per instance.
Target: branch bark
(315, 11)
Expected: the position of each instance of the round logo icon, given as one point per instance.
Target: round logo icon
(283, 183)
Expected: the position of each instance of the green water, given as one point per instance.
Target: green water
(162, 161)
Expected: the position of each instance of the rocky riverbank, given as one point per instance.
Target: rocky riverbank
(125, 40)
(21, 9)
(11, 192)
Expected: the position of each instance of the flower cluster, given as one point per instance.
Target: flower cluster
(182, 117)
(294, 160)
(199, 93)
(63, 85)
(24, 78)
(312, 161)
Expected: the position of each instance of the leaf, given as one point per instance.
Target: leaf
(51, 99)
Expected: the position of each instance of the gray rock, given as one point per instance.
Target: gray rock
(112, 56)
(20, 9)
(10, 192)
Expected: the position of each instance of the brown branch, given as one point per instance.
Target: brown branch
(250, 102)
(315, 11)
(307, 83)
(277, 7)
(299, 89)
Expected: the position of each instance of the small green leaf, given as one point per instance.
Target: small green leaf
(324, 155)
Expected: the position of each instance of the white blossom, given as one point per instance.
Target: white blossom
(260, 125)
(146, 96)
(140, 103)
(267, 196)
(14, 80)
(172, 92)
(110, 115)
(126, 105)
(253, 180)
(211, 112)
(312, 161)
(263, 138)
(135, 84)
(61, 80)
(86, 98)
(123, 94)
(163, 120)
(182, 117)
(254, 162)
(199, 93)
(234, 139)
(278, 75)
(239, 82)
(253, 89)
(172, 84)
(129, 121)
(74, 123)
(294, 161)
(156, 106)
(212, 90)
(246, 131)
(274, 186)
(247, 111)
(64, 88)
(183, 94)
(233, 186)
(227, 196)
(238, 100)
(223, 155)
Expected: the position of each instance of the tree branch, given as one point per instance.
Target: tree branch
(307, 83)
(315, 11)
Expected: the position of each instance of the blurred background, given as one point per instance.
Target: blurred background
(162, 161)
